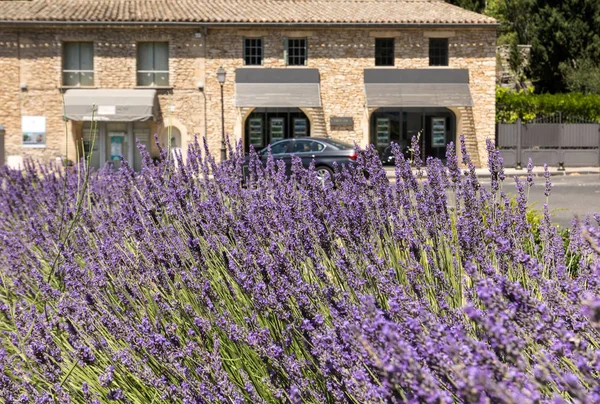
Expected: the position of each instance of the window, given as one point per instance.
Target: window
(279, 148)
(307, 146)
(78, 64)
(153, 64)
(438, 52)
(296, 51)
(253, 51)
(384, 52)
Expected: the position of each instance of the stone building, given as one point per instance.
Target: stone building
(81, 76)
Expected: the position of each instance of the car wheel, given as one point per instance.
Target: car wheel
(322, 172)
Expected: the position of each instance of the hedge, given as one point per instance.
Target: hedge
(511, 105)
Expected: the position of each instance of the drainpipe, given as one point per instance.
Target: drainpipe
(2, 133)
(205, 46)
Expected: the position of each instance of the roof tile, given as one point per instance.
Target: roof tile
(242, 11)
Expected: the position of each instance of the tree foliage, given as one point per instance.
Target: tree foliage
(565, 37)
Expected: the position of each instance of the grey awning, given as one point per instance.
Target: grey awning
(417, 88)
(110, 105)
(277, 88)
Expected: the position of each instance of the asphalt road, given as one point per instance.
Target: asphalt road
(571, 195)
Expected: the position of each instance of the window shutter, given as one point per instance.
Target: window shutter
(285, 49)
(262, 51)
(305, 51)
(244, 50)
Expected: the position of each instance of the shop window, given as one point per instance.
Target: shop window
(438, 51)
(253, 51)
(153, 64)
(384, 52)
(78, 64)
(296, 51)
(256, 131)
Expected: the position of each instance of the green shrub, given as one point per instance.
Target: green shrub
(511, 105)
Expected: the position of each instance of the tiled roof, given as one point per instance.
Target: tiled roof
(241, 11)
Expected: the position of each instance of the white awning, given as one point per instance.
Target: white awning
(417, 88)
(110, 105)
(277, 88)
(418, 95)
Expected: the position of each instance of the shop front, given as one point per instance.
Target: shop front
(418, 103)
(107, 123)
(276, 98)
(433, 127)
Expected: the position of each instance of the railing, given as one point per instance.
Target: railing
(553, 140)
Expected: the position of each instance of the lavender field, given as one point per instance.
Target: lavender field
(176, 286)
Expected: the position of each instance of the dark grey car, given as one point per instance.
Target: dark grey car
(324, 152)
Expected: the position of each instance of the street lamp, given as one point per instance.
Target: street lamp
(221, 79)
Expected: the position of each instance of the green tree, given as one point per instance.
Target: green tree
(565, 38)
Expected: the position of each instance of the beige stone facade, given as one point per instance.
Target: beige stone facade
(32, 56)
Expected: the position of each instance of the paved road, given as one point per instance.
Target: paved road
(571, 195)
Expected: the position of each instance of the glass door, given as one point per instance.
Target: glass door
(117, 142)
(141, 133)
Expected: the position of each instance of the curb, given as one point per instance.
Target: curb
(391, 174)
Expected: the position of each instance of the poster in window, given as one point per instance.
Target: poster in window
(383, 131)
(300, 127)
(116, 147)
(256, 132)
(276, 129)
(438, 132)
(34, 131)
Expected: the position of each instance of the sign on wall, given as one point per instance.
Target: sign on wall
(34, 131)
(341, 121)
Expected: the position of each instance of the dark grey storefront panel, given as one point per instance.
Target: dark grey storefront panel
(277, 95)
(110, 105)
(424, 76)
(277, 76)
(418, 95)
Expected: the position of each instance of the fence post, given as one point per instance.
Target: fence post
(519, 146)
(561, 132)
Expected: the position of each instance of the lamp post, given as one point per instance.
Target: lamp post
(221, 78)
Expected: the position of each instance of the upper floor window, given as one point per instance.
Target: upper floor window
(438, 51)
(384, 51)
(253, 51)
(78, 64)
(296, 50)
(153, 64)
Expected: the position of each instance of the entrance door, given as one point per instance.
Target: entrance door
(111, 142)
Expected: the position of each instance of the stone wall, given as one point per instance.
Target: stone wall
(341, 55)
(33, 56)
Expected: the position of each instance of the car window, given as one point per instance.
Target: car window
(307, 146)
(341, 145)
(279, 147)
